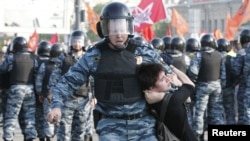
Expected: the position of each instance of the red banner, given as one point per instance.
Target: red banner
(54, 38)
(33, 41)
(147, 13)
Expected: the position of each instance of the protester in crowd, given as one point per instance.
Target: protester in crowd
(156, 84)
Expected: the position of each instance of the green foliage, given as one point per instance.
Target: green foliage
(160, 28)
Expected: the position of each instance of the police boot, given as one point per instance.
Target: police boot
(29, 139)
(88, 138)
(48, 139)
(198, 137)
(41, 139)
(202, 137)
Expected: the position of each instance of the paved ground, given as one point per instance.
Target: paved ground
(19, 137)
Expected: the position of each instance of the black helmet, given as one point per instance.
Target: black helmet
(77, 35)
(120, 14)
(157, 43)
(244, 36)
(19, 44)
(44, 48)
(192, 45)
(177, 43)
(167, 42)
(141, 39)
(223, 45)
(56, 50)
(208, 40)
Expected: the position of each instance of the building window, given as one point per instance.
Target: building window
(203, 25)
(222, 25)
(210, 26)
(216, 24)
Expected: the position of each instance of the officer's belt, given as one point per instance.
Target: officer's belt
(127, 117)
(78, 95)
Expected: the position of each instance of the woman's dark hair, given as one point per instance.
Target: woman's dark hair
(147, 74)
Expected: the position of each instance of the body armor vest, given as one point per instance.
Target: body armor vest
(67, 63)
(179, 63)
(49, 67)
(210, 67)
(23, 69)
(114, 79)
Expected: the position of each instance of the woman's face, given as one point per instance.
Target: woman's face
(163, 83)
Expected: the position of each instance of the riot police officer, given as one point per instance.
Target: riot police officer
(21, 97)
(43, 55)
(178, 54)
(208, 71)
(112, 63)
(42, 80)
(167, 44)
(77, 118)
(240, 69)
(228, 91)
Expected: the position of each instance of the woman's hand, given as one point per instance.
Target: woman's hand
(174, 79)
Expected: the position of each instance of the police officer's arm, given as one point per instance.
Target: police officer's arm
(238, 62)
(223, 74)
(39, 79)
(148, 54)
(193, 69)
(6, 65)
(69, 82)
(56, 73)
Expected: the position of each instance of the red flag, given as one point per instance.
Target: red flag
(240, 17)
(147, 13)
(54, 38)
(93, 18)
(181, 26)
(217, 34)
(33, 41)
(148, 33)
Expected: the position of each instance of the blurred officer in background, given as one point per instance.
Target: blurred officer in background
(178, 54)
(241, 70)
(22, 66)
(77, 114)
(41, 85)
(43, 53)
(208, 71)
(228, 91)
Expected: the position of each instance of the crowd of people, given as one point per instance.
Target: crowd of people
(111, 87)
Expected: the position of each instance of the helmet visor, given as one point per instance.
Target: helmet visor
(77, 40)
(118, 26)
